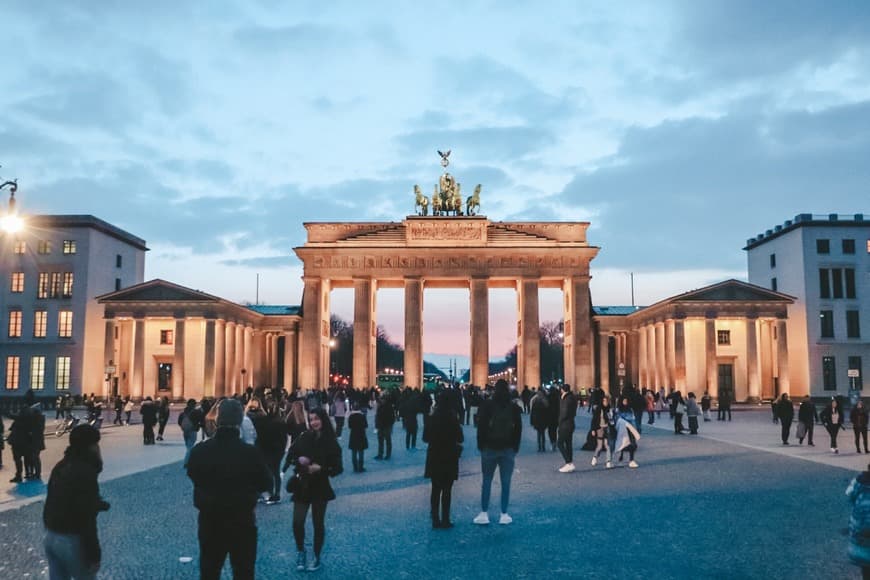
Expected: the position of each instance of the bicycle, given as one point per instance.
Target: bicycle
(67, 425)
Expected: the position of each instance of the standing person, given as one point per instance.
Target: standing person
(499, 431)
(627, 433)
(37, 441)
(72, 502)
(338, 410)
(692, 412)
(189, 425)
(128, 409)
(526, 397)
(858, 418)
(228, 476)
(725, 398)
(272, 443)
(539, 417)
(20, 441)
(162, 417)
(858, 493)
(318, 457)
(679, 409)
(567, 412)
(359, 442)
(443, 433)
(807, 418)
(706, 403)
(385, 417)
(650, 407)
(553, 418)
(832, 418)
(602, 420)
(148, 410)
(784, 411)
(118, 406)
(408, 408)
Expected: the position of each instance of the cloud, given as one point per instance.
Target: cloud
(294, 38)
(496, 143)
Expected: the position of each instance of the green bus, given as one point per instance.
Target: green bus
(397, 381)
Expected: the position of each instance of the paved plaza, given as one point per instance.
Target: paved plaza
(730, 503)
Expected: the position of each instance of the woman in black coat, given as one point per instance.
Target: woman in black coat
(358, 443)
(832, 418)
(444, 435)
(318, 457)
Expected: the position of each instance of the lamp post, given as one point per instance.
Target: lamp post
(10, 222)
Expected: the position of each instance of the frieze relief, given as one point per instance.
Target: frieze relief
(448, 262)
(442, 232)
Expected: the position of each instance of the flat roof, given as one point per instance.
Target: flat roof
(808, 220)
(88, 221)
(275, 309)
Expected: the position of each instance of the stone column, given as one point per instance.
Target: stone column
(680, 355)
(643, 362)
(767, 355)
(710, 356)
(604, 362)
(178, 360)
(529, 356)
(753, 376)
(661, 366)
(109, 358)
(782, 356)
(220, 365)
(248, 357)
(651, 355)
(364, 332)
(633, 357)
(240, 358)
(581, 327)
(230, 370)
(290, 360)
(670, 354)
(273, 359)
(137, 381)
(479, 331)
(414, 332)
(311, 375)
(209, 379)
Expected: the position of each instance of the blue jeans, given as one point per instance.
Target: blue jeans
(489, 459)
(65, 559)
(189, 442)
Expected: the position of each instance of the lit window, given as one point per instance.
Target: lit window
(723, 337)
(20, 247)
(848, 246)
(37, 373)
(62, 373)
(829, 373)
(42, 286)
(12, 369)
(40, 322)
(64, 323)
(165, 337)
(44, 247)
(17, 282)
(69, 246)
(14, 324)
(826, 317)
(868, 247)
(67, 284)
(54, 291)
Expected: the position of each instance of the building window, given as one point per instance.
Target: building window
(54, 291)
(44, 247)
(62, 373)
(824, 283)
(117, 284)
(37, 373)
(69, 246)
(40, 323)
(20, 247)
(829, 374)
(853, 324)
(67, 284)
(850, 282)
(773, 284)
(17, 282)
(848, 246)
(12, 370)
(827, 319)
(833, 280)
(14, 324)
(837, 280)
(723, 337)
(855, 365)
(42, 286)
(773, 260)
(64, 323)
(118, 261)
(868, 247)
(165, 337)
(823, 246)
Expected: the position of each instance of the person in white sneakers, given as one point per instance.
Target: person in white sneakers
(567, 412)
(499, 430)
(602, 422)
(627, 434)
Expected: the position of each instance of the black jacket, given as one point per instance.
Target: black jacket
(485, 412)
(228, 474)
(148, 410)
(807, 412)
(384, 416)
(567, 410)
(826, 416)
(73, 501)
(785, 410)
(444, 436)
(327, 454)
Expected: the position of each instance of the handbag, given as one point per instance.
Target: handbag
(294, 484)
(801, 430)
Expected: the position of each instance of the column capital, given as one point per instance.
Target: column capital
(306, 278)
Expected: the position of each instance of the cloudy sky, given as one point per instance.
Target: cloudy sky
(214, 129)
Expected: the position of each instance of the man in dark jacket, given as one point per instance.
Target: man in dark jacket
(567, 412)
(228, 476)
(784, 411)
(499, 430)
(72, 503)
(148, 410)
(385, 417)
(808, 417)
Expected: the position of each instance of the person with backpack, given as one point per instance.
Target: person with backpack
(499, 430)
(567, 412)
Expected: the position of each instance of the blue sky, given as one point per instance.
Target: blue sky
(214, 129)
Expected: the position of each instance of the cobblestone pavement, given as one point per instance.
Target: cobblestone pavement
(696, 508)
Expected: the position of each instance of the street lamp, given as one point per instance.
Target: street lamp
(11, 223)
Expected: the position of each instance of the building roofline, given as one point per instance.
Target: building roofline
(808, 220)
(88, 221)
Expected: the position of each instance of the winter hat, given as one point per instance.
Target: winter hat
(83, 436)
(230, 413)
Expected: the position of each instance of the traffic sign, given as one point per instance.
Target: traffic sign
(854, 373)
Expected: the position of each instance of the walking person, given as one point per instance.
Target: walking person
(338, 410)
(443, 433)
(627, 433)
(72, 502)
(567, 412)
(128, 409)
(499, 431)
(539, 417)
(162, 416)
(807, 418)
(858, 493)
(679, 409)
(832, 418)
(118, 406)
(385, 417)
(272, 443)
(706, 403)
(358, 442)
(189, 425)
(318, 457)
(602, 422)
(148, 410)
(228, 476)
(858, 418)
(692, 412)
(784, 411)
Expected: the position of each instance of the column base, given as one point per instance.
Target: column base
(753, 400)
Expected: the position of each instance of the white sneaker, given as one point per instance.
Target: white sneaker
(608, 465)
(482, 519)
(594, 461)
(505, 519)
(632, 463)
(567, 468)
